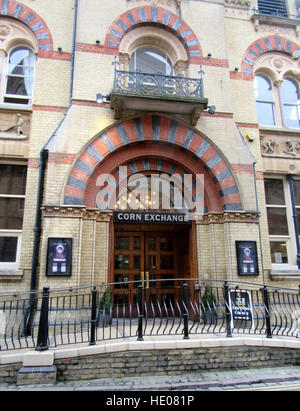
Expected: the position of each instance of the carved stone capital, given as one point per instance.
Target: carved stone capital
(82, 212)
(228, 217)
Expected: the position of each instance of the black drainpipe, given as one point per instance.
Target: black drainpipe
(259, 228)
(42, 167)
(38, 217)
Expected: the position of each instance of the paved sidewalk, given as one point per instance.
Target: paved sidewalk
(210, 380)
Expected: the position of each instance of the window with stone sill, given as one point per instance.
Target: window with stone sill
(280, 222)
(276, 8)
(17, 75)
(12, 198)
(277, 105)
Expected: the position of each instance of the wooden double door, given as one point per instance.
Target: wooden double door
(147, 258)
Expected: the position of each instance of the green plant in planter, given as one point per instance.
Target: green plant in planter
(105, 305)
(208, 297)
(208, 301)
(105, 302)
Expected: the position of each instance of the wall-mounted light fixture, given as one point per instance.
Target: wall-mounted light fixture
(211, 109)
(100, 98)
(98, 42)
(236, 69)
(59, 49)
(209, 55)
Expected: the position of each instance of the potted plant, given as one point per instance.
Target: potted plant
(208, 307)
(105, 309)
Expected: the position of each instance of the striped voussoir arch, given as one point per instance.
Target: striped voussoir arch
(155, 129)
(21, 12)
(265, 45)
(157, 17)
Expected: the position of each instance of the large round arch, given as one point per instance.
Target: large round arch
(162, 140)
(31, 19)
(155, 17)
(265, 45)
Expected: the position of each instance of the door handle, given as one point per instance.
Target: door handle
(147, 279)
(142, 275)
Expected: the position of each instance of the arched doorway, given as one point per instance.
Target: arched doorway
(151, 245)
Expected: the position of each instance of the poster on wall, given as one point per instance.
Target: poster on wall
(59, 257)
(247, 261)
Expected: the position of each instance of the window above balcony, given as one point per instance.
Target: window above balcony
(272, 8)
(276, 12)
(151, 60)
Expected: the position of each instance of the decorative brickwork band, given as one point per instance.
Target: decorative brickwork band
(153, 129)
(21, 12)
(156, 17)
(265, 45)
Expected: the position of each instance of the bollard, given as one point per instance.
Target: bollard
(186, 312)
(140, 312)
(93, 317)
(267, 311)
(42, 340)
(227, 310)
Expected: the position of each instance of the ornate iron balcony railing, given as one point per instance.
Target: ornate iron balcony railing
(158, 85)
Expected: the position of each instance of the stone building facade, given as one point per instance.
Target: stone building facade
(224, 105)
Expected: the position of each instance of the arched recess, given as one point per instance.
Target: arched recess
(146, 36)
(265, 45)
(158, 138)
(162, 161)
(155, 17)
(24, 14)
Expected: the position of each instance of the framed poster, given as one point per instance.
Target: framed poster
(59, 257)
(247, 261)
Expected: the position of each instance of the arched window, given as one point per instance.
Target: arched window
(265, 103)
(277, 105)
(290, 102)
(151, 60)
(19, 76)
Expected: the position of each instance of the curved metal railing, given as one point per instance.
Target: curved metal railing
(175, 307)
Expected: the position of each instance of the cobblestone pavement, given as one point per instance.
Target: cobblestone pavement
(201, 381)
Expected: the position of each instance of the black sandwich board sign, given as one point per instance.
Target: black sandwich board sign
(240, 306)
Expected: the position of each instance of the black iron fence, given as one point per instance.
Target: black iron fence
(119, 310)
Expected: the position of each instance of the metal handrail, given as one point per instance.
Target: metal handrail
(187, 306)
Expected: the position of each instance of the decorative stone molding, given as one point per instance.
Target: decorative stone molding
(76, 212)
(159, 2)
(267, 47)
(276, 65)
(153, 17)
(243, 4)
(14, 125)
(143, 36)
(278, 146)
(33, 25)
(228, 217)
(11, 30)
